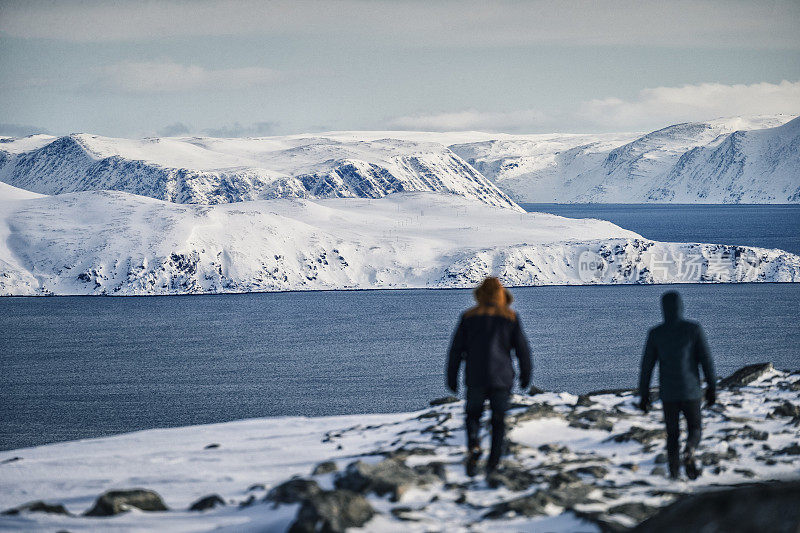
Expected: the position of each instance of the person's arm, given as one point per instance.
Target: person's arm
(456, 354)
(523, 352)
(703, 356)
(646, 372)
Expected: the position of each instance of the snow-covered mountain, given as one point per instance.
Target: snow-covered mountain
(213, 171)
(736, 160)
(112, 242)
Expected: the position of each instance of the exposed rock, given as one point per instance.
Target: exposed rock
(535, 412)
(762, 507)
(590, 419)
(211, 446)
(119, 501)
(534, 390)
(295, 490)
(660, 459)
(10, 460)
(207, 502)
(256, 486)
(746, 432)
(332, 511)
(443, 401)
(710, 458)
(404, 513)
(434, 468)
(584, 400)
(787, 408)
(38, 507)
(325, 467)
(595, 471)
(513, 476)
(640, 435)
(390, 476)
(792, 449)
(636, 510)
(248, 502)
(658, 471)
(746, 375)
(531, 505)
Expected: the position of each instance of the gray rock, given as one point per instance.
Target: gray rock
(512, 476)
(636, 510)
(746, 375)
(295, 490)
(590, 419)
(595, 471)
(660, 459)
(640, 435)
(531, 505)
(212, 446)
(443, 401)
(119, 501)
(534, 390)
(787, 408)
(38, 507)
(390, 476)
(207, 502)
(658, 471)
(325, 467)
(584, 400)
(792, 449)
(332, 511)
(535, 412)
(753, 508)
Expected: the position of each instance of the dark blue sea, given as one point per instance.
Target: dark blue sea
(76, 367)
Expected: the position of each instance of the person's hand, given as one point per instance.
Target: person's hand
(644, 405)
(711, 396)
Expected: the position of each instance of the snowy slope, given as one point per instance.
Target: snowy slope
(212, 171)
(110, 242)
(573, 464)
(735, 160)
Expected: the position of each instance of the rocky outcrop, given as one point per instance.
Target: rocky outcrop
(773, 507)
(37, 507)
(119, 501)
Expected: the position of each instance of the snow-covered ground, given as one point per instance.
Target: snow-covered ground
(116, 243)
(573, 463)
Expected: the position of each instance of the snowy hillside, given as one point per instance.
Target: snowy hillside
(111, 242)
(737, 160)
(213, 171)
(585, 463)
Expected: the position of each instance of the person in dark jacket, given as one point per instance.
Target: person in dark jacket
(484, 339)
(679, 347)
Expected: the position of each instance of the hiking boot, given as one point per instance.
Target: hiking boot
(472, 461)
(690, 465)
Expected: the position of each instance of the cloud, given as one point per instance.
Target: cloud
(20, 130)
(652, 108)
(165, 77)
(174, 130)
(257, 129)
(678, 23)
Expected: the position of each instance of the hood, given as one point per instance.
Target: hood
(672, 306)
(491, 293)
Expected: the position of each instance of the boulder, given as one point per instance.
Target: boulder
(787, 408)
(207, 502)
(535, 412)
(38, 507)
(325, 467)
(332, 511)
(590, 419)
(514, 477)
(119, 501)
(640, 435)
(771, 507)
(638, 511)
(596, 471)
(443, 401)
(746, 375)
(295, 490)
(390, 476)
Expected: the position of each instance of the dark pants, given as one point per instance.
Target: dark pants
(672, 412)
(498, 401)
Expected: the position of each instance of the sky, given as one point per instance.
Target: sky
(255, 68)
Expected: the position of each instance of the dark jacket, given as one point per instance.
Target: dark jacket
(680, 348)
(484, 338)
